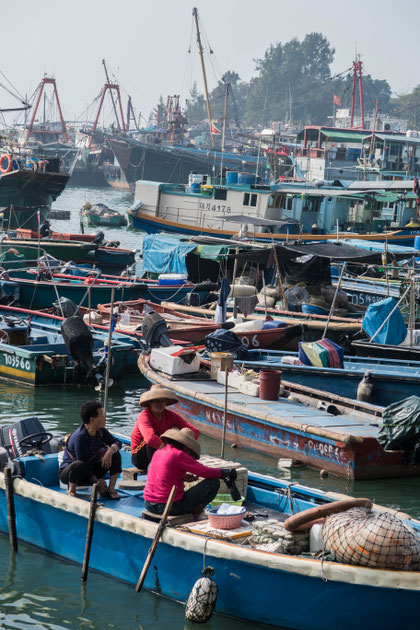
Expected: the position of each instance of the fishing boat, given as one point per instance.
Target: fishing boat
(52, 521)
(193, 329)
(100, 214)
(391, 379)
(92, 251)
(40, 287)
(34, 353)
(345, 445)
(313, 324)
(249, 207)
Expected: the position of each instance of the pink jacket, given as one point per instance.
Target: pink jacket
(149, 429)
(168, 468)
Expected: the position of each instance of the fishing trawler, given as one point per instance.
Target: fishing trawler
(243, 204)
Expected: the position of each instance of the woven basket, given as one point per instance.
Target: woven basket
(224, 521)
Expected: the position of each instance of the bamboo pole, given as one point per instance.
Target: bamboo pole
(222, 450)
(324, 334)
(89, 532)
(10, 503)
(108, 363)
(159, 531)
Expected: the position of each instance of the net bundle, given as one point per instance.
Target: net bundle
(373, 539)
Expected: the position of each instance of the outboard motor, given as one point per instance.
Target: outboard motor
(65, 307)
(24, 438)
(192, 299)
(99, 237)
(79, 343)
(155, 331)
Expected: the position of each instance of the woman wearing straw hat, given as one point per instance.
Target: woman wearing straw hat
(175, 463)
(154, 420)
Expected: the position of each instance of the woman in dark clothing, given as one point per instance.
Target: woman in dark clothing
(91, 451)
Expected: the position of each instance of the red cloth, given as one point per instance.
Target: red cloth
(168, 467)
(149, 429)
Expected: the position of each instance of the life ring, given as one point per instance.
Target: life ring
(304, 520)
(8, 168)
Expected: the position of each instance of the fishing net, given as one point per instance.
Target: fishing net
(373, 539)
(202, 599)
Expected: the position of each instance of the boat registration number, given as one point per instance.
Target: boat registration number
(17, 362)
(215, 207)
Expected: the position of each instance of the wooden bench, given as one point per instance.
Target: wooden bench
(179, 519)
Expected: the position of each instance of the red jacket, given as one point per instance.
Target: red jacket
(168, 468)
(149, 429)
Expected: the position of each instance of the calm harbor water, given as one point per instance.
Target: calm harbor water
(41, 592)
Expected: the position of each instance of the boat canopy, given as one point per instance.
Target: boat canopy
(165, 254)
(333, 250)
(251, 220)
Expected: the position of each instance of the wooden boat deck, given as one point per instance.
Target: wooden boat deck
(287, 410)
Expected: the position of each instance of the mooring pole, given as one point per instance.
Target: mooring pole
(10, 503)
(89, 532)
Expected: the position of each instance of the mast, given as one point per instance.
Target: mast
(41, 89)
(200, 49)
(227, 86)
(357, 74)
(112, 95)
(109, 87)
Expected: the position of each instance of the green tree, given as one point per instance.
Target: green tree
(195, 106)
(408, 106)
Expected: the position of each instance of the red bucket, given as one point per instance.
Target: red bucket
(270, 381)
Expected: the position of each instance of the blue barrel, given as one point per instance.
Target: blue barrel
(313, 310)
(196, 188)
(417, 243)
(246, 178)
(231, 177)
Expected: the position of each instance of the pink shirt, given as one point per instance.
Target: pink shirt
(168, 468)
(149, 429)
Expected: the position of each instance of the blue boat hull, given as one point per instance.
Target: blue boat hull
(392, 380)
(253, 590)
(152, 225)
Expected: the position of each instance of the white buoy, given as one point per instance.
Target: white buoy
(201, 601)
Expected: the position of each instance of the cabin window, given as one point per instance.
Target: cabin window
(270, 203)
(253, 199)
(220, 193)
(246, 199)
(289, 203)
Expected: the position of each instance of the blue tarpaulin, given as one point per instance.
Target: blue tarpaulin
(164, 254)
(394, 331)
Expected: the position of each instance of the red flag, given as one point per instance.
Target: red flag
(214, 130)
(337, 100)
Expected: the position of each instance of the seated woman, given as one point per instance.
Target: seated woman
(91, 451)
(152, 422)
(175, 463)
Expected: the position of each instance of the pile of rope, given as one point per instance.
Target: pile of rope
(372, 539)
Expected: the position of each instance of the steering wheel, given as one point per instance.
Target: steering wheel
(31, 440)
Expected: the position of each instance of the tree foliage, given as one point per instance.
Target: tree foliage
(408, 106)
(292, 82)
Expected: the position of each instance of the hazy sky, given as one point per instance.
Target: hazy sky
(145, 42)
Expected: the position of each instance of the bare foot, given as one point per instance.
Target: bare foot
(72, 493)
(113, 494)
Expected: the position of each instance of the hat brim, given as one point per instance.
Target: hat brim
(168, 401)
